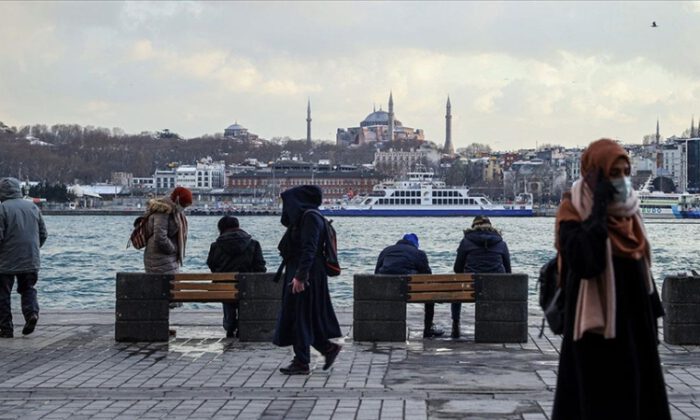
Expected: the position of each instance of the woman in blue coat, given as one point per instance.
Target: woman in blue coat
(482, 250)
(307, 317)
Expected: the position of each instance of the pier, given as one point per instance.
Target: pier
(71, 367)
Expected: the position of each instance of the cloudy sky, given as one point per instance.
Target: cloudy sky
(518, 74)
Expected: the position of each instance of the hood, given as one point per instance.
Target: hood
(295, 201)
(9, 189)
(161, 205)
(483, 237)
(234, 241)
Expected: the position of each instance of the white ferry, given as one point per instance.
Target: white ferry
(658, 205)
(421, 195)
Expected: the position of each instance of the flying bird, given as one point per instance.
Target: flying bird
(654, 25)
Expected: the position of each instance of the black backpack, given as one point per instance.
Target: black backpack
(551, 297)
(330, 246)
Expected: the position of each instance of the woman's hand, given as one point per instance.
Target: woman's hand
(297, 286)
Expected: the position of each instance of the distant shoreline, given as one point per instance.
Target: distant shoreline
(137, 212)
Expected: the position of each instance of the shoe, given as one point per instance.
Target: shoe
(6, 334)
(295, 368)
(432, 332)
(172, 333)
(455, 329)
(230, 334)
(331, 355)
(30, 325)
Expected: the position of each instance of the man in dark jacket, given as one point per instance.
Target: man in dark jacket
(22, 233)
(482, 250)
(404, 257)
(234, 251)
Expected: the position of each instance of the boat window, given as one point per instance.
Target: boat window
(369, 200)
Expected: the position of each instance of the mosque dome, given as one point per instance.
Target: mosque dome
(235, 126)
(378, 118)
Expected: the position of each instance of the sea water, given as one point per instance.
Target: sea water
(83, 253)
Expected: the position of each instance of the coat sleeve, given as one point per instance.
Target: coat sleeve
(506, 258)
(160, 232)
(423, 265)
(259, 262)
(211, 258)
(2, 224)
(311, 229)
(583, 247)
(43, 234)
(460, 260)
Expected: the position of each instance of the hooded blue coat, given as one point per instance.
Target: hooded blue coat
(482, 250)
(402, 258)
(307, 317)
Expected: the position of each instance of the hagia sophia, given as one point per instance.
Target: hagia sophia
(378, 127)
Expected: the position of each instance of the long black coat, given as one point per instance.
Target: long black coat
(617, 378)
(482, 251)
(307, 317)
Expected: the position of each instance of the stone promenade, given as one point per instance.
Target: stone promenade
(71, 367)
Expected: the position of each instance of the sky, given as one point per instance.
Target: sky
(519, 74)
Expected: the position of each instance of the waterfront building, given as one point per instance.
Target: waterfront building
(399, 162)
(692, 147)
(378, 127)
(337, 183)
(202, 176)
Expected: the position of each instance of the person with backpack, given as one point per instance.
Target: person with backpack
(306, 318)
(609, 365)
(404, 257)
(234, 251)
(22, 233)
(482, 250)
(166, 232)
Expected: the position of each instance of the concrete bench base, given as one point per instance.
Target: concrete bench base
(379, 311)
(142, 311)
(681, 300)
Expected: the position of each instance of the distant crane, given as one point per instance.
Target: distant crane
(654, 25)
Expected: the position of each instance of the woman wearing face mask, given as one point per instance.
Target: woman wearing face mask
(609, 364)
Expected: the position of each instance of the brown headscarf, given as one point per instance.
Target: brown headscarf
(595, 308)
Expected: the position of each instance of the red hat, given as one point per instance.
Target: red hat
(181, 196)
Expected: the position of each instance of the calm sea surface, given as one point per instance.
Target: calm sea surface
(83, 253)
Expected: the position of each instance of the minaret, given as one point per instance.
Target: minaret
(658, 136)
(391, 117)
(448, 149)
(692, 127)
(308, 124)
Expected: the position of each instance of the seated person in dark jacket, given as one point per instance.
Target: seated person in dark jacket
(482, 250)
(234, 251)
(405, 258)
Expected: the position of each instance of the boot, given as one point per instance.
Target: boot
(295, 368)
(429, 330)
(31, 324)
(455, 328)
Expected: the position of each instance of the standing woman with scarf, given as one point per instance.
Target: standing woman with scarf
(166, 231)
(609, 364)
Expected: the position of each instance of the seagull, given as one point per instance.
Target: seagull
(654, 25)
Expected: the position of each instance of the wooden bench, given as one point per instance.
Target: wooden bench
(440, 288)
(204, 287)
(379, 307)
(142, 308)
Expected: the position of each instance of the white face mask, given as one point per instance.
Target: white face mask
(623, 186)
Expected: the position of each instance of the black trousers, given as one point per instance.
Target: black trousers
(25, 287)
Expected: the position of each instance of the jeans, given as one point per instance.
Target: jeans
(25, 287)
(230, 317)
(456, 308)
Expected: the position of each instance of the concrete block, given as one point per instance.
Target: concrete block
(142, 310)
(501, 287)
(256, 330)
(379, 330)
(258, 310)
(146, 331)
(681, 290)
(376, 310)
(682, 313)
(508, 311)
(258, 286)
(682, 334)
(142, 286)
(379, 287)
(500, 332)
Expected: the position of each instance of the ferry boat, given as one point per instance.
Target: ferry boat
(658, 205)
(421, 195)
(688, 207)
